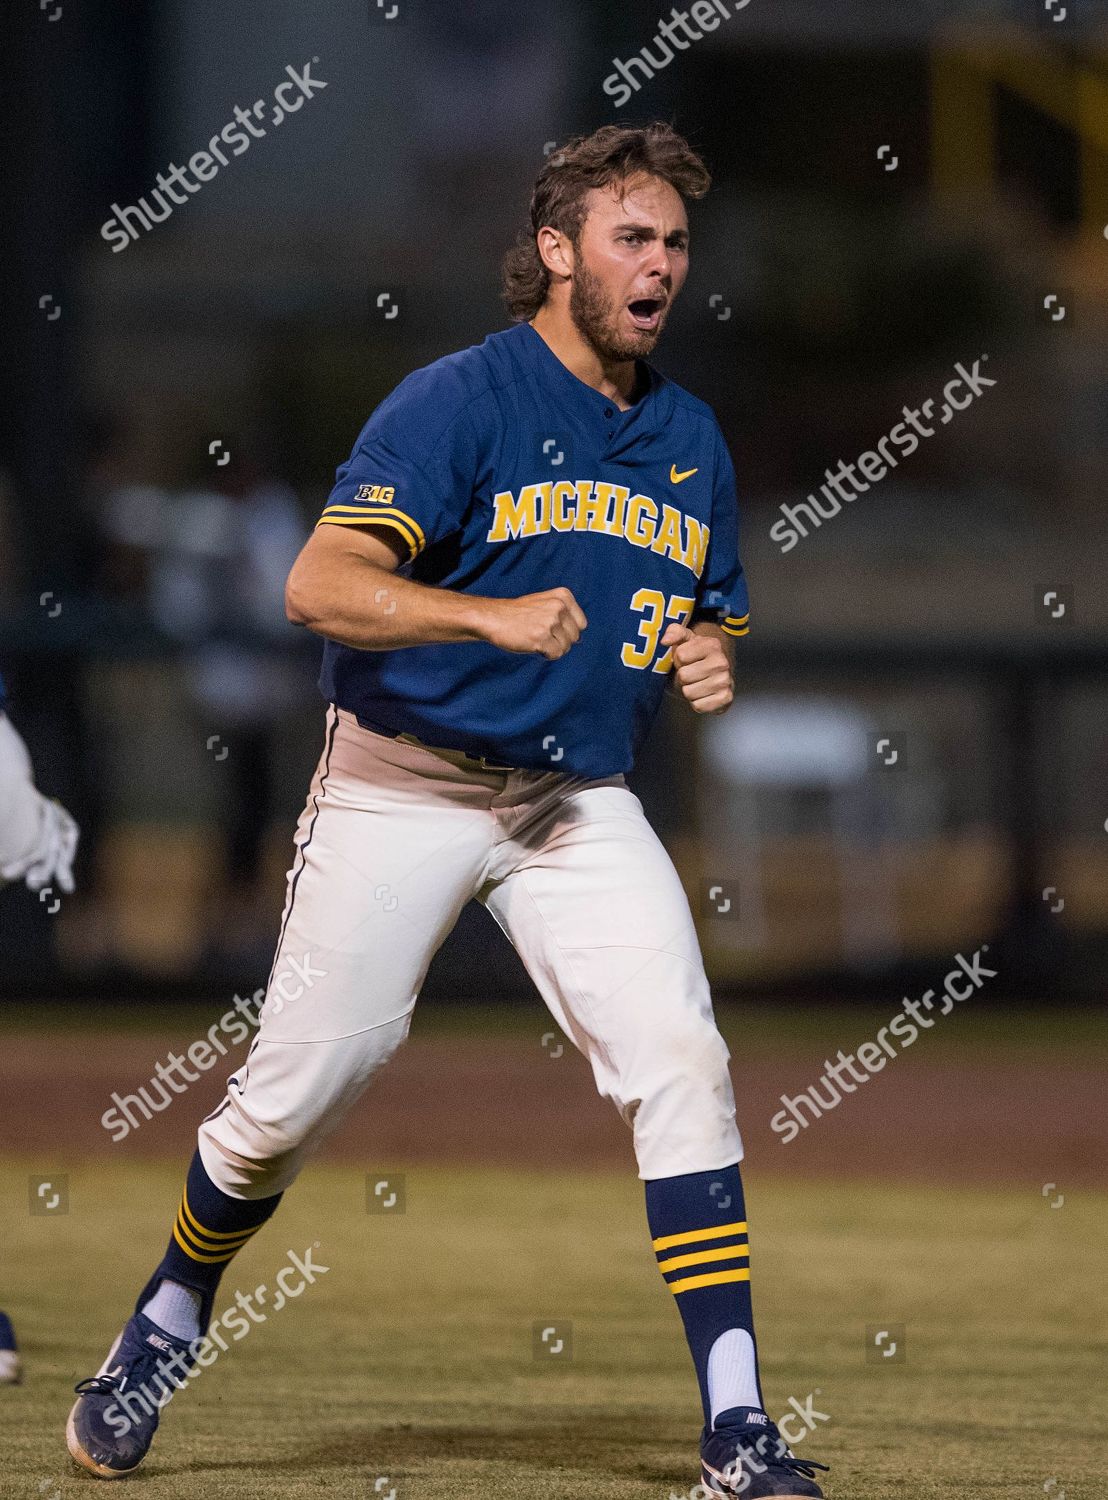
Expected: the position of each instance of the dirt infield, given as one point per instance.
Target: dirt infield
(506, 1100)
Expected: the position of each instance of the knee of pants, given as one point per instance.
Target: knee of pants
(249, 1159)
(683, 1112)
(287, 1100)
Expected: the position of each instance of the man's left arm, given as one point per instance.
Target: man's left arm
(703, 660)
(703, 666)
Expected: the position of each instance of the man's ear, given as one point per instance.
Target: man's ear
(555, 251)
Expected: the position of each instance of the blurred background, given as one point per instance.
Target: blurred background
(917, 760)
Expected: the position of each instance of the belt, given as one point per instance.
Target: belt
(443, 750)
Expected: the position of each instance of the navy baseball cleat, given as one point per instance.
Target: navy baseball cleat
(116, 1413)
(11, 1368)
(748, 1457)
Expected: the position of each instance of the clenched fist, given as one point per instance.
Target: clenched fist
(701, 668)
(547, 624)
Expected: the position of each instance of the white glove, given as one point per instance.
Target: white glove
(38, 838)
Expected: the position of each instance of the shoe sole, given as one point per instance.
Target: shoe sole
(709, 1477)
(73, 1442)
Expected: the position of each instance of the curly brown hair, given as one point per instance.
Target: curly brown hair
(614, 153)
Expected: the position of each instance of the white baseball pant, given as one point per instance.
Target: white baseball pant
(395, 838)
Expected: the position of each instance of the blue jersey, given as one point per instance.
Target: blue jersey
(505, 475)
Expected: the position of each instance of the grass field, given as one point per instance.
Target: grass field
(410, 1365)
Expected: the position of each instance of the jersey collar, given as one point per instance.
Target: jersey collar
(602, 406)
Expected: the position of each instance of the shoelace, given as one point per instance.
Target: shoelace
(771, 1449)
(138, 1373)
(97, 1385)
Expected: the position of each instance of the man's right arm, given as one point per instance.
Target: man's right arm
(344, 586)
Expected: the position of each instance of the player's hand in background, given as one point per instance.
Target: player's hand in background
(50, 861)
(38, 838)
(701, 669)
(547, 624)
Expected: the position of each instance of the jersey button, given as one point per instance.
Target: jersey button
(608, 412)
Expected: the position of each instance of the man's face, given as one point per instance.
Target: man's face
(630, 262)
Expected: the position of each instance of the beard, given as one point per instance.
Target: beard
(596, 318)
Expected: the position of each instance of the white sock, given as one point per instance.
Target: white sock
(175, 1309)
(733, 1373)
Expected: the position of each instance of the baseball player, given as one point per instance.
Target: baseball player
(530, 539)
(38, 838)
(11, 1367)
(38, 841)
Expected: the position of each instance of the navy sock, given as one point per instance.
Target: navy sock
(210, 1229)
(698, 1225)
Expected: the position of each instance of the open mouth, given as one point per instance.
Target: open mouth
(646, 312)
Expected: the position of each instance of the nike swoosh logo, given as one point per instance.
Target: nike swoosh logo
(675, 478)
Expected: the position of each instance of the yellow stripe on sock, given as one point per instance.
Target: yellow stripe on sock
(195, 1226)
(691, 1236)
(195, 1255)
(205, 1245)
(702, 1257)
(713, 1278)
